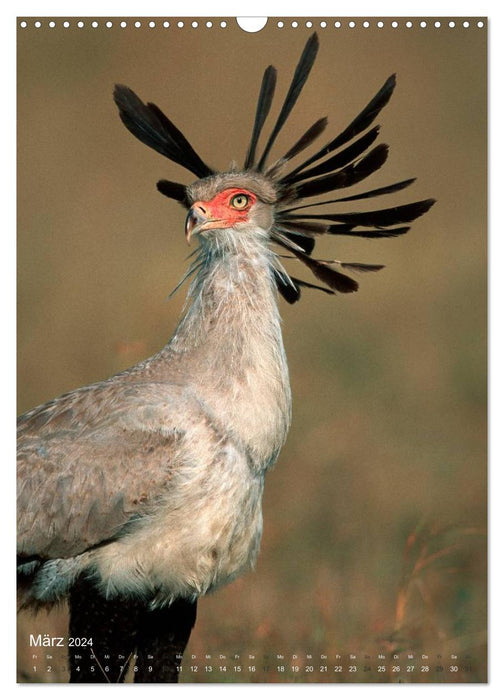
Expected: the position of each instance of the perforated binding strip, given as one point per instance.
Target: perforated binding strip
(281, 23)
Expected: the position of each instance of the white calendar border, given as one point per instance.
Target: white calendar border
(316, 8)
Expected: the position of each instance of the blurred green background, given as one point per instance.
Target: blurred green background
(375, 515)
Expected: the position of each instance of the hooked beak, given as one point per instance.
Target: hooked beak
(194, 218)
(199, 219)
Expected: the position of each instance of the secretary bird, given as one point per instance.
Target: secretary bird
(139, 494)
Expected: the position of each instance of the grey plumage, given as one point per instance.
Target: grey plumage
(147, 486)
(148, 480)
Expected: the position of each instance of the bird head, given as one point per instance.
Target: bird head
(239, 202)
(268, 200)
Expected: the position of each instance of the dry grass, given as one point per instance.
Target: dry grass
(436, 621)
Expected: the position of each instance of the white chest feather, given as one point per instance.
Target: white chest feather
(203, 536)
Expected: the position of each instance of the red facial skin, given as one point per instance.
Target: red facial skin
(219, 210)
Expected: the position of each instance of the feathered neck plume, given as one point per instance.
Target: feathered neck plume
(345, 161)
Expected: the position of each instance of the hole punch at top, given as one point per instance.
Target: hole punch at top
(252, 24)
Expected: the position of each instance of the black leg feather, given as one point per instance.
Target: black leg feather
(112, 626)
(162, 638)
(126, 632)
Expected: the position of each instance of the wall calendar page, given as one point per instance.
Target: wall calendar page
(252, 350)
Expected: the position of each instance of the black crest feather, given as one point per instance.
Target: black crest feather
(309, 285)
(173, 190)
(306, 140)
(263, 107)
(287, 287)
(388, 189)
(325, 273)
(291, 291)
(344, 230)
(346, 177)
(301, 74)
(357, 125)
(380, 217)
(148, 123)
(339, 160)
(343, 162)
(305, 241)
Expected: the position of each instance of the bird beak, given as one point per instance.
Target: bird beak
(199, 219)
(195, 217)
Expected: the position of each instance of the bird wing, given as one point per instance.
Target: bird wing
(93, 461)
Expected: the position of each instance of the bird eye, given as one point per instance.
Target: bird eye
(239, 201)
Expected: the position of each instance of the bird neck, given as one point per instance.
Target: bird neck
(230, 341)
(232, 297)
